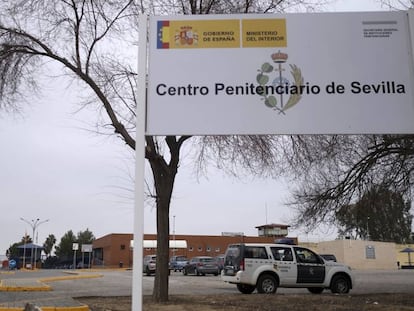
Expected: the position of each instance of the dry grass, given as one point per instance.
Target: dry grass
(325, 302)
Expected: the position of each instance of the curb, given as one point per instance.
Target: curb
(79, 308)
(23, 286)
(70, 277)
(47, 306)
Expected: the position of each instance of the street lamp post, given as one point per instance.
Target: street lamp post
(34, 224)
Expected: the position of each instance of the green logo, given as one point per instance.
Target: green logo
(275, 89)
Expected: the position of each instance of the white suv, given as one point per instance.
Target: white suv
(266, 267)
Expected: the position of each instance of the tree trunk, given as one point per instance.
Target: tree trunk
(160, 291)
(164, 176)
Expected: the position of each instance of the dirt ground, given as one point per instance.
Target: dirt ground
(325, 302)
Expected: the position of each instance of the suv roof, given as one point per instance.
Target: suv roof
(261, 244)
(287, 241)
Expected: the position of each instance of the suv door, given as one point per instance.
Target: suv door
(284, 265)
(311, 267)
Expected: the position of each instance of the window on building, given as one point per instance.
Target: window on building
(370, 252)
(208, 249)
(217, 249)
(190, 249)
(122, 247)
(200, 248)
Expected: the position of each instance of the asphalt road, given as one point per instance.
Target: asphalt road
(118, 283)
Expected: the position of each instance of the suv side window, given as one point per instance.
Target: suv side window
(256, 252)
(282, 253)
(304, 255)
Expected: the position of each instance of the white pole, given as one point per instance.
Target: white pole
(24, 250)
(139, 167)
(410, 14)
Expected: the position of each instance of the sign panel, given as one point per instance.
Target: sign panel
(318, 73)
(87, 248)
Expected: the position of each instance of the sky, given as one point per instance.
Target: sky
(54, 168)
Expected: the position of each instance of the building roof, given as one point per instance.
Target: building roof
(30, 246)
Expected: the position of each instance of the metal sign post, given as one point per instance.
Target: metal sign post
(139, 168)
(75, 247)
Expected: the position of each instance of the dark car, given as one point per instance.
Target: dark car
(328, 257)
(178, 262)
(201, 265)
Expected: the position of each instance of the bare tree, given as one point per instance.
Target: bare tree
(397, 4)
(89, 41)
(336, 171)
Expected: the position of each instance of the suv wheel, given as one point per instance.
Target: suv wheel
(267, 284)
(245, 288)
(340, 285)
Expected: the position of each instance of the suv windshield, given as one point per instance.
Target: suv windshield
(232, 257)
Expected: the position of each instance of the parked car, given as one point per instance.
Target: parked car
(328, 257)
(201, 265)
(220, 261)
(178, 262)
(265, 267)
(149, 264)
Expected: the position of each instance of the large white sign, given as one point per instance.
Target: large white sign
(280, 74)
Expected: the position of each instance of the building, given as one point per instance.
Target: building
(113, 250)
(361, 254)
(29, 255)
(116, 249)
(273, 230)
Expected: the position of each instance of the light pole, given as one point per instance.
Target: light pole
(34, 224)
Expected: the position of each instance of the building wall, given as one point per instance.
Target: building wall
(206, 245)
(354, 253)
(115, 249)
